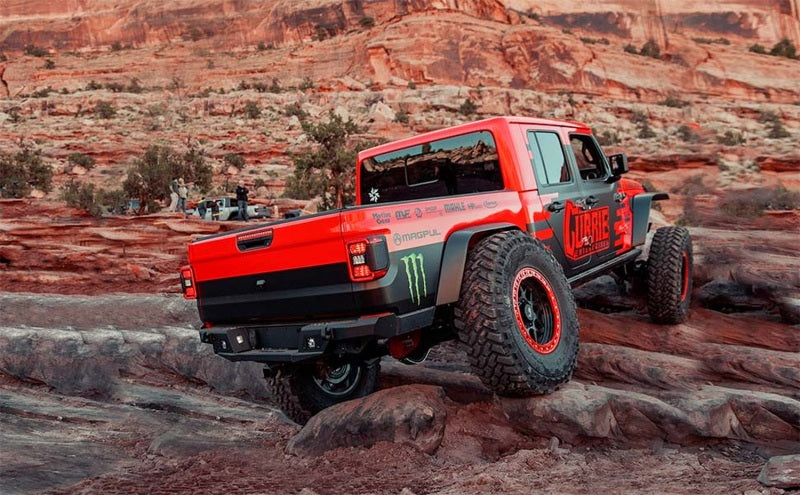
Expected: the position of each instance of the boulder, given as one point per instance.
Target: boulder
(411, 414)
(781, 472)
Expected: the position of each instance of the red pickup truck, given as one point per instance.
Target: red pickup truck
(475, 232)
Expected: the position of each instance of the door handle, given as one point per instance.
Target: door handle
(590, 201)
(556, 206)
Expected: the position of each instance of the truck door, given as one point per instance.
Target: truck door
(592, 231)
(560, 190)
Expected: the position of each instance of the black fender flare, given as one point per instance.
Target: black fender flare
(640, 207)
(454, 259)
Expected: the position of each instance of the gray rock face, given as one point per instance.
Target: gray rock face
(781, 472)
(410, 414)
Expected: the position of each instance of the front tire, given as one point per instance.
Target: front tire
(302, 391)
(669, 275)
(517, 316)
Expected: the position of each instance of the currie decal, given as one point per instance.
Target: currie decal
(585, 231)
(415, 273)
(414, 236)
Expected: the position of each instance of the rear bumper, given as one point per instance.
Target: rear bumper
(303, 341)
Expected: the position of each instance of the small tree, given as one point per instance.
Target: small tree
(329, 170)
(784, 48)
(468, 107)
(23, 171)
(104, 110)
(234, 160)
(251, 110)
(49, 64)
(149, 178)
(81, 160)
(651, 49)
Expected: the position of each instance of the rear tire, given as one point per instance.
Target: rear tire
(669, 275)
(304, 390)
(517, 316)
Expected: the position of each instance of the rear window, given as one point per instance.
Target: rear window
(458, 165)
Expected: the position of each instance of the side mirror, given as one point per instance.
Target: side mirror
(619, 164)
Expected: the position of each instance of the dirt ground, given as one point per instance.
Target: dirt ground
(115, 394)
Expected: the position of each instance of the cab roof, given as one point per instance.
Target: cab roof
(480, 125)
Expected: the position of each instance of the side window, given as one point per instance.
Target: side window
(590, 160)
(463, 164)
(549, 161)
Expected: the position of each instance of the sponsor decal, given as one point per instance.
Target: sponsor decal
(474, 206)
(418, 212)
(382, 217)
(454, 207)
(415, 273)
(490, 204)
(414, 236)
(374, 195)
(585, 231)
(433, 209)
(402, 214)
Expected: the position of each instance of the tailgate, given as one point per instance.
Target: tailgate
(294, 268)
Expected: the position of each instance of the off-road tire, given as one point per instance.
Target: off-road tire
(488, 316)
(297, 393)
(669, 275)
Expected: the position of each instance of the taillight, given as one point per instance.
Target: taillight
(369, 258)
(187, 283)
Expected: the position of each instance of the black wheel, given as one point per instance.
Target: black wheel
(517, 316)
(669, 275)
(302, 391)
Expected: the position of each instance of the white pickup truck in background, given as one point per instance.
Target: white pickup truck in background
(228, 208)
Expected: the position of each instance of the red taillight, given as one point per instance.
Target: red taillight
(368, 258)
(187, 283)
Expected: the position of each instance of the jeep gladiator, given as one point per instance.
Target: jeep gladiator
(476, 232)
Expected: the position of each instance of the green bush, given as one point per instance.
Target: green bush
(36, 51)
(23, 171)
(468, 107)
(234, 160)
(784, 48)
(674, 102)
(49, 64)
(412, 85)
(81, 196)
(149, 177)
(401, 117)
(367, 22)
(81, 160)
(295, 109)
(93, 85)
(251, 110)
(42, 93)
(629, 48)
(104, 110)
(754, 202)
(731, 138)
(756, 48)
(687, 134)
(650, 49)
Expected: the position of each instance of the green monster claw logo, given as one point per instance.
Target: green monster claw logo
(415, 272)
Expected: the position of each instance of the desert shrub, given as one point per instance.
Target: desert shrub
(149, 176)
(156, 110)
(295, 109)
(327, 170)
(687, 134)
(784, 48)
(774, 125)
(259, 182)
(135, 86)
(36, 51)
(234, 160)
(251, 110)
(593, 41)
(401, 117)
(81, 160)
(49, 64)
(650, 49)
(42, 93)
(629, 48)
(261, 46)
(468, 107)
(412, 85)
(708, 41)
(690, 216)
(83, 196)
(116, 46)
(753, 202)
(608, 138)
(93, 86)
(367, 22)
(104, 110)
(731, 138)
(275, 87)
(23, 171)
(756, 48)
(306, 84)
(692, 186)
(673, 102)
(645, 131)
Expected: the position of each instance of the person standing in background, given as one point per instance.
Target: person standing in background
(183, 192)
(241, 200)
(173, 195)
(3, 79)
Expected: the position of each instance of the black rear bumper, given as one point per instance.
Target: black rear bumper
(302, 341)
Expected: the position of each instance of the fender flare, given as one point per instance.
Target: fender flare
(640, 206)
(454, 259)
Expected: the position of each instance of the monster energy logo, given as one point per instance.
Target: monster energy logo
(414, 268)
